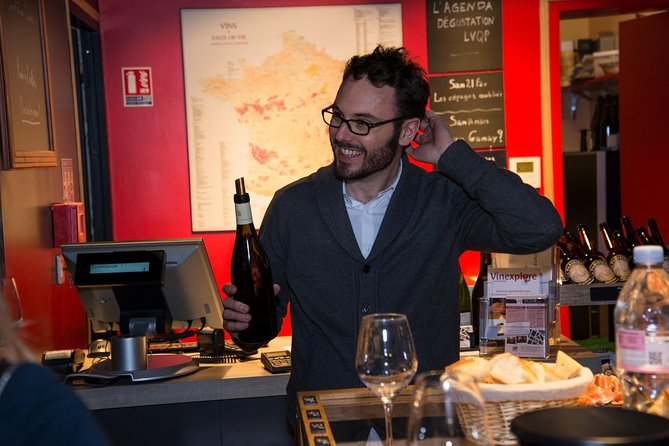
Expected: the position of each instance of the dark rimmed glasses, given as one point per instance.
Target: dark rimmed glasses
(356, 126)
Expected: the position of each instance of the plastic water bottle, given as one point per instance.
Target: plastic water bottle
(642, 330)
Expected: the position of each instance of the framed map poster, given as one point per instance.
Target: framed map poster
(256, 80)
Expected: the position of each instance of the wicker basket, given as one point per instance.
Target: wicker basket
(504, 402)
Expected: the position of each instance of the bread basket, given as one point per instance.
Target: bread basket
(503, 402)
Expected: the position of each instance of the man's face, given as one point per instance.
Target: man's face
(359, 156)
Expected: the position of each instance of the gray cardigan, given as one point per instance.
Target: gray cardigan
(433, 217)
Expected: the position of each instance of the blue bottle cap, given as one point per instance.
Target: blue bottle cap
(648, 254)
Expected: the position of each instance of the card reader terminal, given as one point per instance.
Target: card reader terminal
(277, 361)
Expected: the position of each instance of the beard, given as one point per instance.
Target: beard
(374, 160)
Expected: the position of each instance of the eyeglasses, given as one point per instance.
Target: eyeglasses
(356, 126)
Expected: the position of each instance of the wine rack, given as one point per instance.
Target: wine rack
(593, 294)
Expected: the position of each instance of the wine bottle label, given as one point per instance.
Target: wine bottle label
(602, 272)
(243, 213)
(466, 335)
(576, 272)
(637, 352)
(465, 318)
(621, 266)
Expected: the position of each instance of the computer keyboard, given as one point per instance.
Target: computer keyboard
(229, 354)
(172, 347)
(223, 359)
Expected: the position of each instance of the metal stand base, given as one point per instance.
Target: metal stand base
(159, 366)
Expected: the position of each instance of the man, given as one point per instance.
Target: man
(373, 233)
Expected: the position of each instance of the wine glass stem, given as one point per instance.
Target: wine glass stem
(388, 415)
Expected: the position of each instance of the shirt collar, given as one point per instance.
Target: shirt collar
(350, 200)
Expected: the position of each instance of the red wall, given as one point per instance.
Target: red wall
(148, 146)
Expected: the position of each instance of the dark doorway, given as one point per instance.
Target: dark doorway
(92, 131)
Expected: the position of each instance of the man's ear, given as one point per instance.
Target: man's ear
(409, 129)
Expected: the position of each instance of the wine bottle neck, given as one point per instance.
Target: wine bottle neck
(243, 213)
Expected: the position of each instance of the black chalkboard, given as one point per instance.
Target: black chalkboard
(464, 35)
(24, 78)
(472, 105)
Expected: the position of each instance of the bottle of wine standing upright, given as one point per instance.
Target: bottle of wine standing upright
(250, 272)
(466, 329)
(478, 293)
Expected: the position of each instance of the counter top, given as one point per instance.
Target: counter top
(244, 379)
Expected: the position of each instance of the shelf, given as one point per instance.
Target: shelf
(590, 88)
(594, 294)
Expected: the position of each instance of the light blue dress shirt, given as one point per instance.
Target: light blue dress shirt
(366, 218)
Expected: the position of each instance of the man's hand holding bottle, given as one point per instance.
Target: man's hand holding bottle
(236, 315)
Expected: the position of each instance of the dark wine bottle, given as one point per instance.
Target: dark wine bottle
(628, 231)
(466, 329)
(594, 260)
(622, 241)
(616, 255)
(654, 231)
(611, 122)
(595, 123)
(647, 238)
(644, 236)
(251, 273)
(478, 293)
(604, 124)
(465, 302)
(572, 262)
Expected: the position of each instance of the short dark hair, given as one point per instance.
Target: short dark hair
(392, 66)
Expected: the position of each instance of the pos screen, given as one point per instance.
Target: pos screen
(120, 268)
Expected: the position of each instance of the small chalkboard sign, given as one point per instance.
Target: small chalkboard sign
(27, 136)
(464, 35)
(472, 105)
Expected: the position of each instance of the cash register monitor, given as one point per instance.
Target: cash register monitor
(145, 287)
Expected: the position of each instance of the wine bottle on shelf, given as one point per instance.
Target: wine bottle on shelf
(647, 239)
(251, 273)
(628, 231)
(594, 260)
(612, 138)
(604, 122)
(572, 262)
(616, 254)
(611, 122)
(479, 293)
(644, 236)
(595, 123)
(654, 231)
(622, 241)
(466, 328)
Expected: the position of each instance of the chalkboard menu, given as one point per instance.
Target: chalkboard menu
(24, 78)
(464, 35)
(472, 105)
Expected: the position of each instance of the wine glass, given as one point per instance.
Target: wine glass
(433, 418)
(385, 359)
